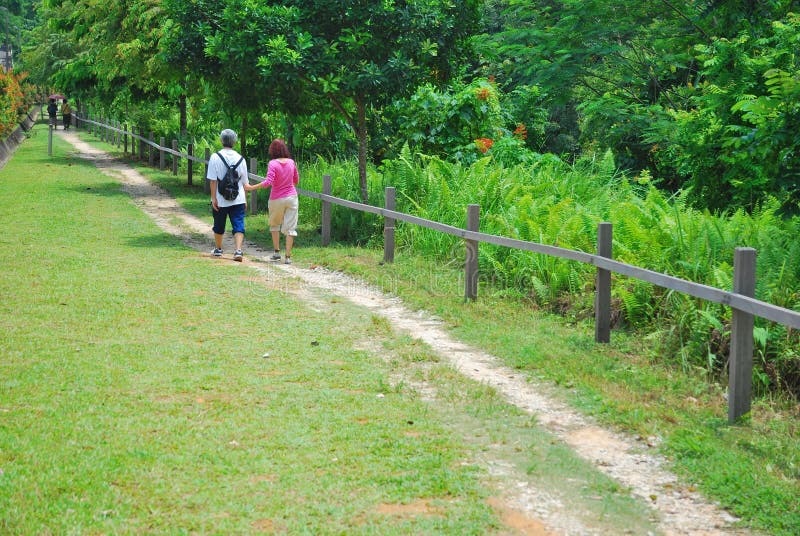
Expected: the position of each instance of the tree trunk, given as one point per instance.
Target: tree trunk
(243, 137)
(182, 108)
(359, 126)
(361, 132)
(290, 135)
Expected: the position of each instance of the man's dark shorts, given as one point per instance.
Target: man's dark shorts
(236, 215)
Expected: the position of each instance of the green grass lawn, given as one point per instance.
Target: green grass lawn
(752, 469)
(135, 397)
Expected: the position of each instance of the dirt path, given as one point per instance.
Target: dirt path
(527, 509)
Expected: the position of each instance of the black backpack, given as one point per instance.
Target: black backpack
(228, 185)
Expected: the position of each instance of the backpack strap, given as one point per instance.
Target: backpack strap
(235, 166)
(219, 154)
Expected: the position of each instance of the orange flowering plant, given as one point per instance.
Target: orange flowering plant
(484, 144)
(482, 93)
(12, 102)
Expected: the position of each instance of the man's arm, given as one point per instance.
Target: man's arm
(214, 194)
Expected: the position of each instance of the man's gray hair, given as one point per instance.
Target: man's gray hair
(228, 138)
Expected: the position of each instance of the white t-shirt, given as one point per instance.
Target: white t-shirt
(217, 170)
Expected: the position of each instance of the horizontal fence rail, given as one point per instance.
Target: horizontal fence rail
(743, 304)
(778, 314)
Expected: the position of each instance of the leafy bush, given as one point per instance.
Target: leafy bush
(738, 143)
(448, 123)
(12, 102)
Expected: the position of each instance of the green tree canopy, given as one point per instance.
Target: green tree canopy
(361, 55)
(635, 77)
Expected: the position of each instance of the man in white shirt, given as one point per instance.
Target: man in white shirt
(224, 209)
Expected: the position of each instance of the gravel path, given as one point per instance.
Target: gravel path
(677, 509)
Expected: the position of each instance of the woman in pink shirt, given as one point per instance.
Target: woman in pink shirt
(282, 175)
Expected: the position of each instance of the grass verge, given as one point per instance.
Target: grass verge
(752, 469)
(135, 398)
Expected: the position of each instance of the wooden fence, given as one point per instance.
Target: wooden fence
(741, 299)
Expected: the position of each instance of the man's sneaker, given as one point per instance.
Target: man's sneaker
(288, 260)
(216, 252)
(275, 256)
(237, 255)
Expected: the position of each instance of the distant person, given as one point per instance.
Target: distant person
(52, 111)
(224, 209)
(66, 114)
(283, 205)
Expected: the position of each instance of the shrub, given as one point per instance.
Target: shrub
(12, 102)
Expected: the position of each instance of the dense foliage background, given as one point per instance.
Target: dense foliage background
(678, 121)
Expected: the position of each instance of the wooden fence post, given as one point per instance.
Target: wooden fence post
(175, 158)
(161, 159)
(253, 208)
(189, 162)
(326, 211)
(602, 293)
(388, 226)
(143, 147)
(471, 263)
(206, 182)
(740, 367)
(151, 152)
(125, 139)
(133, 140)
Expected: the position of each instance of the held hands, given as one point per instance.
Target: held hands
(250, 187)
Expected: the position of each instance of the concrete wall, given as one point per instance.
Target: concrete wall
(10, 144)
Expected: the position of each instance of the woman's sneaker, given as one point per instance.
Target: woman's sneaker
(275, 256)
(217, 252)
(288, 260)
(237, 255)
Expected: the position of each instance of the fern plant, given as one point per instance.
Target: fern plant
(550, 202)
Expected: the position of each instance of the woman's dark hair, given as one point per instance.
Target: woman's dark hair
(278, 149)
